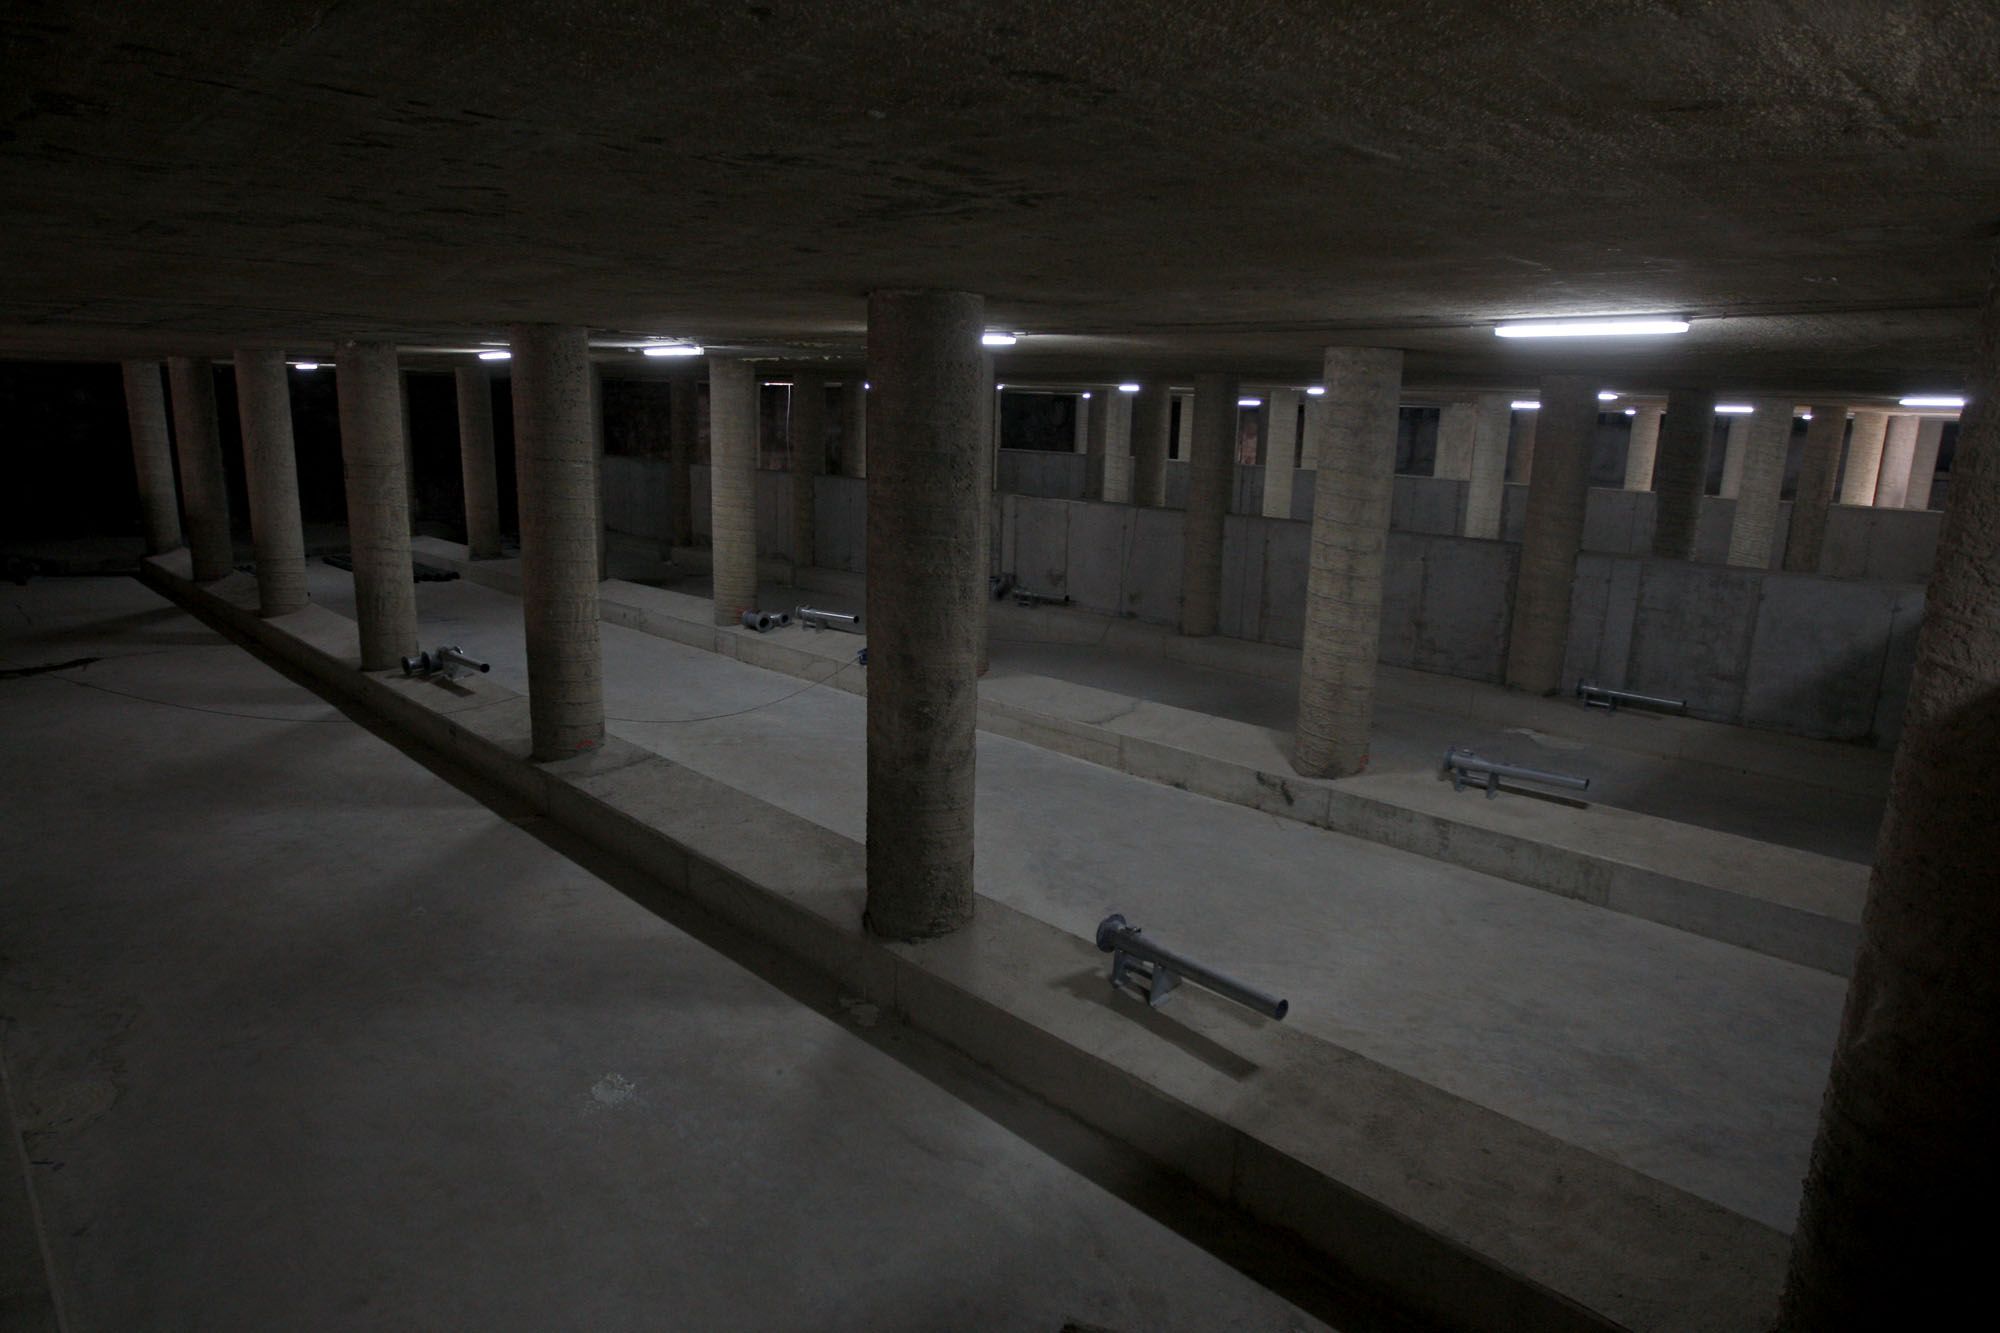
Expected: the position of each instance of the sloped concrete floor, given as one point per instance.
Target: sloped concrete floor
(1697, 1063)
(303, 1036)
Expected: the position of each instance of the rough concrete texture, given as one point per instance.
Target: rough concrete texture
(1458, 425)
(366, 1052)
(152, 456)
(561, 537)
(1864, 457)
(476, 461)
(1680, 473)
(927, 492)
(1904, 1152)
(1735, 441)
(1819, 466)
(732, 498)
(805, 438)
(1350, 534)
(378, 513)
(271, 475)
(1642, 446)
(204, 490)
(1152, 419)
(854, 427)
(1923, 463)
(683, 428)
(1281, 415)
(1210, 471)
(1521, 454)
(1767, 437)
(1561, 481)
(596, 429)
(1486, 479)
(1899, 450)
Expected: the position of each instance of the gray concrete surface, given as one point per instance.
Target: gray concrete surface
(1694, 1062)
(305, 1037)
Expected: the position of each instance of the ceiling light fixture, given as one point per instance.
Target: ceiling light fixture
(1316, 390)
(998, 339)
(1931, 400)
(1606, 396)
(1249, 402)
(1526, 405)
(305, 365)
(1631, 411)
(1735, 409)
(1086, 393)
(1128, 388)
(1590, 328)
(674, 349)
(495, 356)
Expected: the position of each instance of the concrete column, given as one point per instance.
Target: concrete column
(1523, 469)
(1680, 476)
(1184, 438)
(271, 474)
(476, 463)
(204, 490)
(152, 456)
(732, 485)
(1152, 418)
(597, 471)
(805, 436)
(1888, 1235)
(556, 458)
(1312, 442)
(853, 428)
(1817, 468)
(1081, 440)
(1554, 533)
(1734, 441)
(927, 492)
(1458, 424)
(1485, 492)
(1753, 531)
(1923, 463)
(1350, 534)
(1281, 442)
(1211, 468)
(378, 502)
(1118, 447)
(1864, 458)
(1899, 449)
(1096, 442)
(409, 448)
(683, 426)
(1642, 447)
(989, 479)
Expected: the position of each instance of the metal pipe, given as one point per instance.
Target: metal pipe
(450, 657)
(1164, 969)
(811, 617)
(1465, 766)
(763, 620)
(1602, 696)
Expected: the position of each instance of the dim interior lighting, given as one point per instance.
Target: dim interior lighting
(1526, 405)
(1086, 393)
(1804, 416)
(998, 339)
(1631, 411)
(998, 388)
(1315, 390)
(674, 349)
(305, 365)
(495, 356)
(1591, 328)
(1606, 396)
(1734, 409)
(866, 385)
(1931, 400)
(1249, 402)
(1128, 388)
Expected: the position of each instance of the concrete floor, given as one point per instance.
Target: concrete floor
(302, 1036)
(1695, 1062)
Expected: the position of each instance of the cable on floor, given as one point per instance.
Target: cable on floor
(753, 708)
(50, 669)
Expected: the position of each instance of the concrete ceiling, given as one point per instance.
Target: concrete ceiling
(1164, 186)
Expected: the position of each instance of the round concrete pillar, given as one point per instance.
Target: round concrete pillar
(1458, 425)
(926, 584)
(1899, 450)
(1735, 440)
(204, 489)
(1753, 530)
(1553, 534)
(806, 438)
(1818, 465)
(1350, 535)
(1211, 470)
(597, 470)
(556, 459)
(271, 473)
(683, 425)
(1522, 464)
(1680, 473)
(378, 502)
(1152, 421)
(1485, 486)
(1864, 457)
(1642, 446)
(152, 456)
(1888, 1235)
(1923, 463)
(1281, 446)
(732, 485)
(854, 428)
(476, 463)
